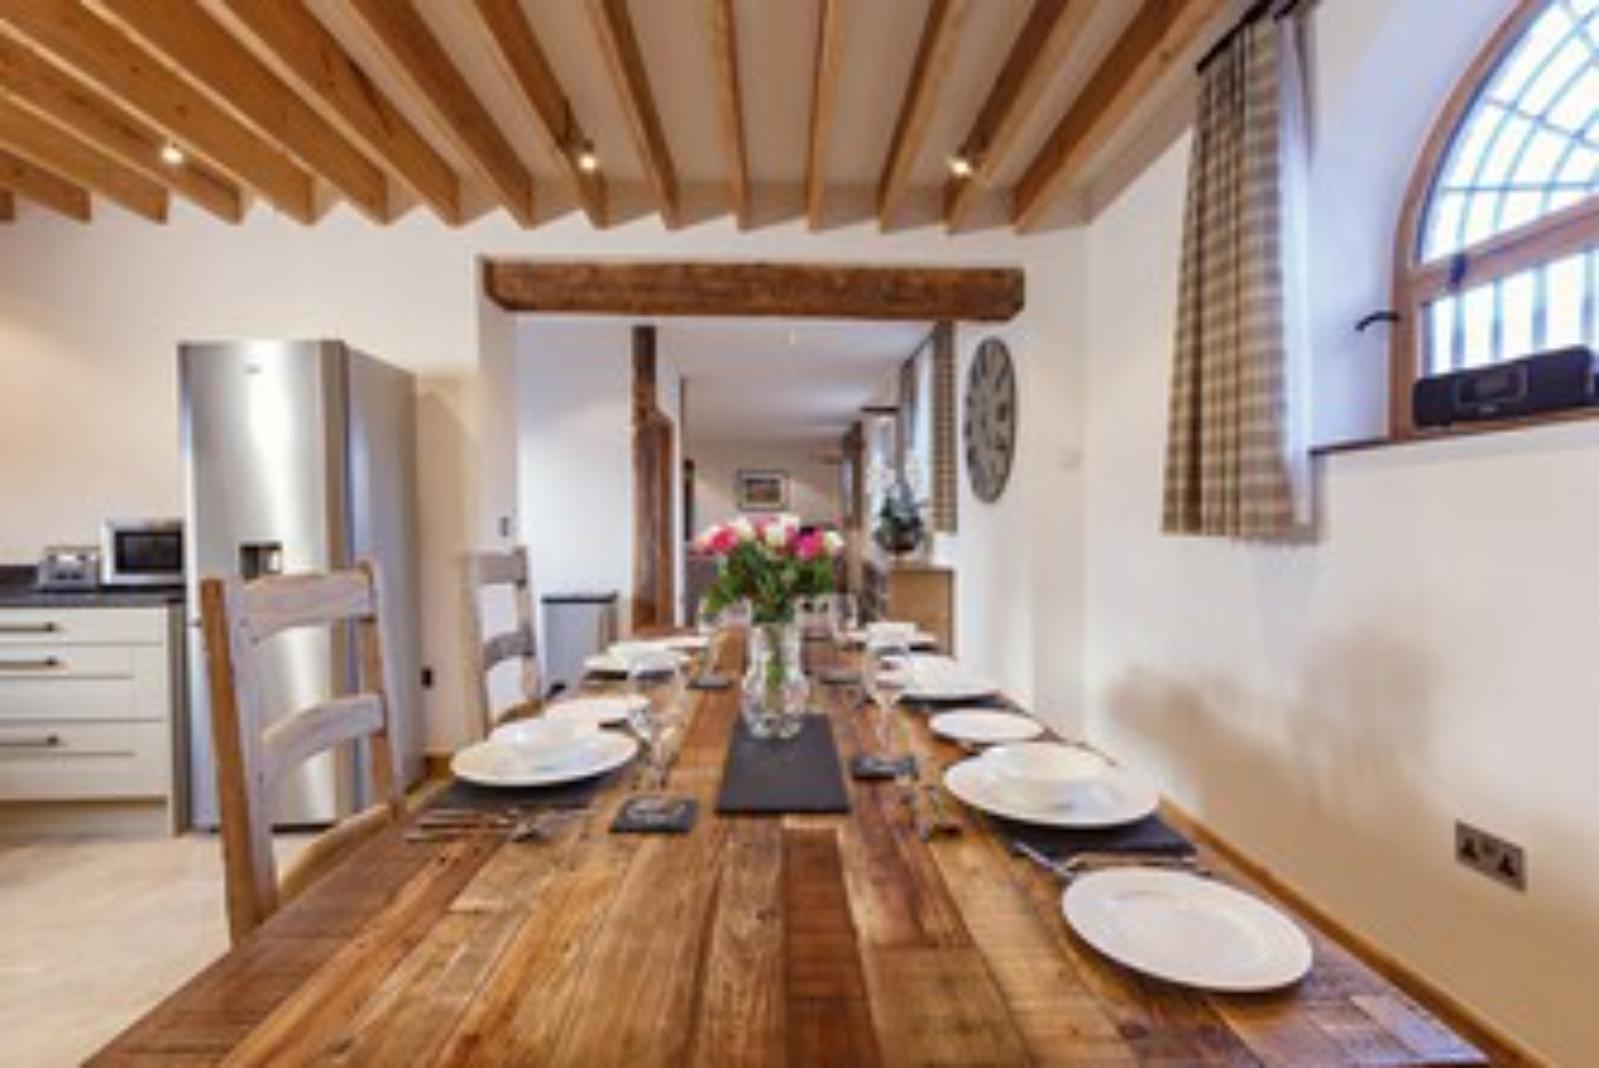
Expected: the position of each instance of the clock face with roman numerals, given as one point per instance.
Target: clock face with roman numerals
(990, 426)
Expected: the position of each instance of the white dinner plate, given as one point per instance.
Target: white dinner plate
(497, 763)
(1110, 799)
(687, 643)
(978, 726)
(1187, 929)
(615, 666)
(940, 680)
(611, 711)
(919, 640)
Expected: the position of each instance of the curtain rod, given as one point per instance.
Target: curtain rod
(1254, 13)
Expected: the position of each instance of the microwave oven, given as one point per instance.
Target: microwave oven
(142, 552)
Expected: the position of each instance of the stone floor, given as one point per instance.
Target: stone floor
(94, 931)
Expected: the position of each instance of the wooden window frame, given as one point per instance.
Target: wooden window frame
(1417, 283)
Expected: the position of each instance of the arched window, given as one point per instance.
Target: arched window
(1497, 246)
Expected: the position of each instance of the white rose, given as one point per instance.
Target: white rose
(744, 529)
(833, 542)
(777, 535)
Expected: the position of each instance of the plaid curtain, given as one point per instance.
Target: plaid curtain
(1235, 464)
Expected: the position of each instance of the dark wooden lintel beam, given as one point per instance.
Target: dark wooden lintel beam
(823, 291)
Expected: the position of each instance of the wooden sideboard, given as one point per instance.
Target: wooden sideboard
(914, 592)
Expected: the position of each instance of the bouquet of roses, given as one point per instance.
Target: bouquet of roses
(769, 563)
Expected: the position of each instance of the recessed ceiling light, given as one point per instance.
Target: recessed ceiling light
(172, 155)
(587, 161)
(960, 166)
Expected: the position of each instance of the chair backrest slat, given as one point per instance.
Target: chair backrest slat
(253, 756)
(487, 570)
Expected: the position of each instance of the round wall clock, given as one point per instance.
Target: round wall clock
(990, 425)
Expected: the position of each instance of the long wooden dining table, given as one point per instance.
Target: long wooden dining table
(801, 940)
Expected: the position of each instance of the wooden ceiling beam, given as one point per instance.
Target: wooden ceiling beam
(96, 50)
(185, 34)
(1050, 29)
(824, 100)
(724, 56)
(8, 206)
(52, 93)
(933, 57)
(827, 291)
(314, 59)
(421, 61)
(1159, 33)
(51, 147)
(619, 44)
(34, 183)
(525, 64)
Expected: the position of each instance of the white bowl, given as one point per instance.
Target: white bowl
(544, 743)
(1046, 774)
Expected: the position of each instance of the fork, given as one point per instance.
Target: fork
(1082, 863)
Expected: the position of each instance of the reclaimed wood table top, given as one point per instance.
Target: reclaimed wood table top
(787, 940)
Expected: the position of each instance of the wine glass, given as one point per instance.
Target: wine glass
(708, 624)
(658, 719)
(885, 669)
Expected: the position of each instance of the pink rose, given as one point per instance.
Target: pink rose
(722, 541)
(809, 546)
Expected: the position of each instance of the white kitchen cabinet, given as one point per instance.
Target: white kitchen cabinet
(87, 708)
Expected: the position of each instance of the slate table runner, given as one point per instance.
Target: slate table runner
(802, 774)
(1151, 835)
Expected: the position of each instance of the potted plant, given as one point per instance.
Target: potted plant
(899, 520)
(769, 564)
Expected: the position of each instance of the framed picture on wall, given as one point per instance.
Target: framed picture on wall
(761, 491)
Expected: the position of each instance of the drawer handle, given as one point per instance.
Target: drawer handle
(46, 741)
(45, 663)
(29, 628)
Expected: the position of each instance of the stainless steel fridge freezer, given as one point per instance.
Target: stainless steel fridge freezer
(301, 456)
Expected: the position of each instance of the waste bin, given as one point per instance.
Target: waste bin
(576, 626)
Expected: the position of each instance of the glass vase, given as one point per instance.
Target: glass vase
(775, 689)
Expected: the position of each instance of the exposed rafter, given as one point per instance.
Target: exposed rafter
(519, 52)
(194, 42)
(933, 56)
(93, 48)
(51, 147)
(1049, 31)
(1159, 33)
(613, 26)
(8, 206)
(53, 94)
(313, 59)
(824, 101)
(724, 57)
(48, 190)
(417, 57)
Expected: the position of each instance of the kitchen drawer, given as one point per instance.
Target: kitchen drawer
(91, 626)
(77, 761)
(78, 683)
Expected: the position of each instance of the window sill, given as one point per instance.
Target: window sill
(1460, 430)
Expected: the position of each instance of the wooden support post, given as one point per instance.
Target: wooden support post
(653, 481)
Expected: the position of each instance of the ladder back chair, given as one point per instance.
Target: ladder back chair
(253, 758)
(486, 571)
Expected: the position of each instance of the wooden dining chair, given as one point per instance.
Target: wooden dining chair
(486, 571)
(253, 758)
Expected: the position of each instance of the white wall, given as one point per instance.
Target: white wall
(814, 487)
(90, 317)
(1334, 708)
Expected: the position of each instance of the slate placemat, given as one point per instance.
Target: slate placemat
(1151, 835)
(802, 774)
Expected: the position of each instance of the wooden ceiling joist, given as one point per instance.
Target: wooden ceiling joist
(208, 54)
(525, 64)
(1034, 58)
(1159, 33)
(52, 93)
(421, 61)
(48, 190)
(314, 60)
(827, 291)
(613, 27)
(51, 147)
(824, 103)
(8, 206)
(933, 57)
(730, 97)
(94, 49)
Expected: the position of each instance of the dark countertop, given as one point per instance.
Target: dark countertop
(17, 591)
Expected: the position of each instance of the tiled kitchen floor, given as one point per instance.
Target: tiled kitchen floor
(94, 931)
